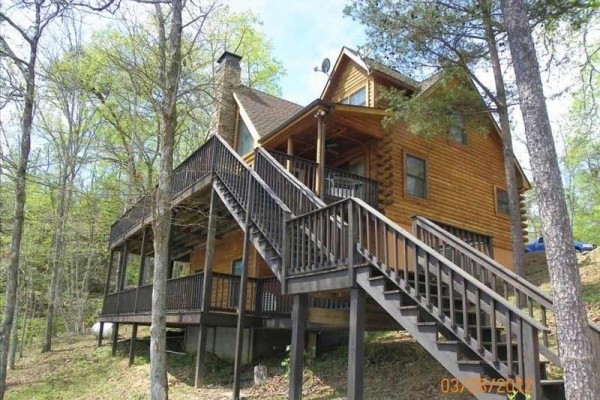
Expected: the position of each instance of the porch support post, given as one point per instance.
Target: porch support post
(115, 338)
(206, 289)
(290, 152)
(143, 256)
(122, 273)
(142, 269)
(134, 330)
(239, 339)
(300, 304)
(100, 333)
(170, 253)
(123, 267)
(356, 345)
(109, 274)
(320, 159)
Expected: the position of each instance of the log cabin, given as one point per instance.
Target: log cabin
(307, 226)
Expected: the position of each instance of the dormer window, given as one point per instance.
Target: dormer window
(245, 141)
(358, 98)
(457, 132)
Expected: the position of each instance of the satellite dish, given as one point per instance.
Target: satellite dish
(325, 65)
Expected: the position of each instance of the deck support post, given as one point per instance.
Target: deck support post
(121, 276)
(134, 330)
(239, 337)
(320, 159)
(142, 270)
(170, 252)
(206, 289)
(356, 345)
(109, 274)
(299, 308)
(115, 338)
(531, 367)
(100, 333)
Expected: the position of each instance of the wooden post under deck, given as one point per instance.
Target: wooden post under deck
(206, 289)
(239, 337)
(320, 158)
(297, 349)
(134, 330)
(356, 345)
(115, 338)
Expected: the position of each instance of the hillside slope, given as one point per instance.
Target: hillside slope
(396, 367)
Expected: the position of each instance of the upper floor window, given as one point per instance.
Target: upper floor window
(502, 204)
(358, 98)
(245, 141)
(416, 177)
(457, 132)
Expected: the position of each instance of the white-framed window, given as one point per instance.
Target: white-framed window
(358, 98)
(416, 176)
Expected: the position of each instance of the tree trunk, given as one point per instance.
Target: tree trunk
(56, 261)
(170, 70)
(576, 355)
(12, 270)
(28, 303)
(516, 230)
(12, 348)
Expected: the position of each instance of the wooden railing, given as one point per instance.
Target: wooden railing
(513, 288)
(265, 297)
(318, 240)
(294, 193)
(193, 169)
(481, 242)
(337, 183)
(267, 211)
(365, 234)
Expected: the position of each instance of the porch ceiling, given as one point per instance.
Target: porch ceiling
(347, 127)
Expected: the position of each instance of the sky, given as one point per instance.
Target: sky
(303, 34)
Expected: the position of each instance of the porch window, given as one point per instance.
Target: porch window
(245, 141)
(358, 98)
(457, 132)
(502, 204)
(416, 177)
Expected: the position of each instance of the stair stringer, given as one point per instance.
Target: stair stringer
(445, 353)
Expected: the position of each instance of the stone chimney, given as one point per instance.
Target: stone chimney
(227, 78)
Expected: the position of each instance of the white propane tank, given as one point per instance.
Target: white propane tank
(106, 332)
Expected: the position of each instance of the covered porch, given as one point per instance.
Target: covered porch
(326, 147)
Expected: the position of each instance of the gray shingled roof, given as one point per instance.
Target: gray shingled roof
(264, 110)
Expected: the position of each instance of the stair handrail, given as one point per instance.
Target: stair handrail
(261, 184)
(360, 218)
(253, 174)
(432, 253)
(519, 283)
(304, 190)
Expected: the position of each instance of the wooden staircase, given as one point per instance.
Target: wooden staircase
(459, 304)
